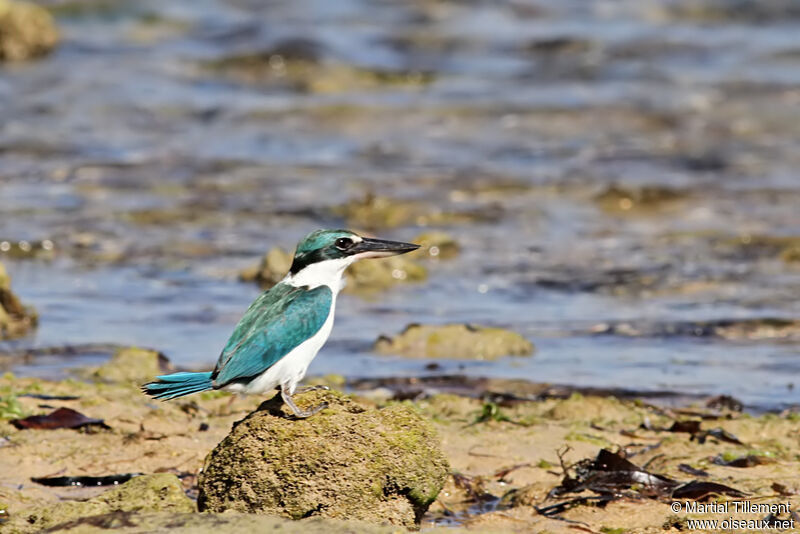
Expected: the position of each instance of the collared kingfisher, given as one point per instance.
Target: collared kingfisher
(284, 328)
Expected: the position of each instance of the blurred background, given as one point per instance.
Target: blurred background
(616, 181)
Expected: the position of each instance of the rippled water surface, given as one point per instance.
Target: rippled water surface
(622, 178)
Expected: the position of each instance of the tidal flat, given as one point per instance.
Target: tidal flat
(515, 464)
(614, 183)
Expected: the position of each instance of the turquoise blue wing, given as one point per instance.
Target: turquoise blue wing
(277, 322)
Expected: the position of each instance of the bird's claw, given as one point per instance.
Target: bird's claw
(304, 414)
(316, 409)
(298, 413)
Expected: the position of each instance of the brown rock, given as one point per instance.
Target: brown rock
(457, 341)
(347, 462)
(26, 31)
(15, 319)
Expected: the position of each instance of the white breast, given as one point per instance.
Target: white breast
(291, 369)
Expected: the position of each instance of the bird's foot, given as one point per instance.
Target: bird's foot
(301, 414)
(309, 389)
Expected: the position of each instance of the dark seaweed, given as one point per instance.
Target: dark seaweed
(42, 396)
(60, 418)
(689, 470)
(751, 460)
(700, 491)
(612, 477)
(108, 480)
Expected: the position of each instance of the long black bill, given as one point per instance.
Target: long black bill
(377, 248)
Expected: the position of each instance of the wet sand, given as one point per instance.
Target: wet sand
(505, 456)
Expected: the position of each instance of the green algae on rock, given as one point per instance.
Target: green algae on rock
(15, 319)
(26, 31)
(349, 461)
(362, 277)
(375, 212)
(754, 246)
(10, 408)
(587, 409)
(273, 267)
(438, 245)
(299, 64)
(618, 199)
(148, 493)
(791, 254)
(370, 276)
(23, 249)
(456, 341)
(131, 364)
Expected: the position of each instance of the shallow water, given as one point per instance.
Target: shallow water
(633, 162)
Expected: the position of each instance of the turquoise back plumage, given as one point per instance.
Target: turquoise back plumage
(279, 320)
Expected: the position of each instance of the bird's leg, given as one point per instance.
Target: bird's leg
(309, 389)
(300, 414)
(230, 403)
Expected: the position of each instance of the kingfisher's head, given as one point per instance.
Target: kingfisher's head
(340, 248)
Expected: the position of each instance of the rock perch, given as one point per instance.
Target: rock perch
(349, 462)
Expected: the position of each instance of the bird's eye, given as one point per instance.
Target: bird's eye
(343, 243)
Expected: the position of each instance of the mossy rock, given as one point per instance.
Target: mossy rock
(149, 493)
(299, 63)
(586, 409)
(131, 365)
(347, 462)
(5, 280)
(642, 200)
(375, 212)
(791, 254)
(16, 320)
(437, 245)
(362, 277)
(24, 250)
(455, 341)
(755, 246)
(26, 31)
(273, 267)
(757, 328)
(369, 276)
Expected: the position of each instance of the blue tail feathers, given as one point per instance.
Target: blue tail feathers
(177, 385)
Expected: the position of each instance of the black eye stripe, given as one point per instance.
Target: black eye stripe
(327, 252)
